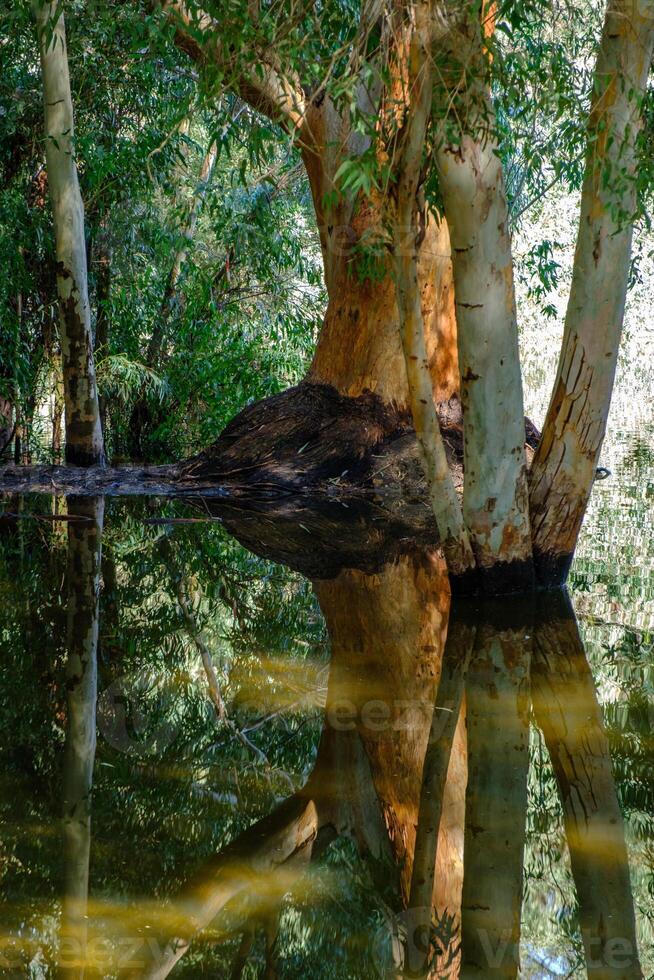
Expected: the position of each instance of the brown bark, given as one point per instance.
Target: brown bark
(387, 634)
(359, 347)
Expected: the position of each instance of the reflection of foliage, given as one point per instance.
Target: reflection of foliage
(188, 795)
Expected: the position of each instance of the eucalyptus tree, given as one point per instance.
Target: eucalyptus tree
(391, 107)
(84, 444)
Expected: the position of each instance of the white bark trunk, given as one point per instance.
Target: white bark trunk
(564, 466)
(83, 430)
(495, 499)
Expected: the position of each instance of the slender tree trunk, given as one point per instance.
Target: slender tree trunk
(186, 232)
(83, 573)
(447, 710)
(567, 712)
(104, 256)
(83, 430)
(7, 426)
(564, 467)
(497, 697)
(58, 407)
(444, 500)
(495, 498)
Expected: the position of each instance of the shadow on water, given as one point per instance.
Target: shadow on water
(416, 786)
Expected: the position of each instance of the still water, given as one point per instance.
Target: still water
(248, 744)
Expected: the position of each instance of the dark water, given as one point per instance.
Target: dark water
(249, 808)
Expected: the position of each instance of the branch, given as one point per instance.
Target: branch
(261, 84)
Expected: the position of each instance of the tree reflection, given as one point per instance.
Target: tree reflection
(423, 762)
(419, 774)
(83, 583)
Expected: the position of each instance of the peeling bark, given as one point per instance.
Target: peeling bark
(564, 468)
(495, 499)
(84, 445)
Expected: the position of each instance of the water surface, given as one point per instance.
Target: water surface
(274, 748)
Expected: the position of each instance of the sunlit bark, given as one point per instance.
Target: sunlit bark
(564, 467)
(407, 227)
(83, 430)
(495, 500)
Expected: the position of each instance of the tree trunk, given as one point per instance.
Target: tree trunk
(444, 500)
(83, 573)
(104, 255)
(495, 498)
(186, 232)
(419, 950)
(7, 425)
(83, 430)
(564, 466)
(567, 712)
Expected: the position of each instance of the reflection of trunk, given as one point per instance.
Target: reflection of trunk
(387, 635)
(564, 467)
(84, 550)
(566, 709)
(460, 641)
(497, 697)
(83, 432)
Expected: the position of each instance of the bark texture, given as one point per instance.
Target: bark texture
(495, 499)
(407, 226)
(564, 468)
(84, 444)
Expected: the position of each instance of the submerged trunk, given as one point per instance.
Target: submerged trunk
(564, 466)
(83, 573)
(83, 431)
